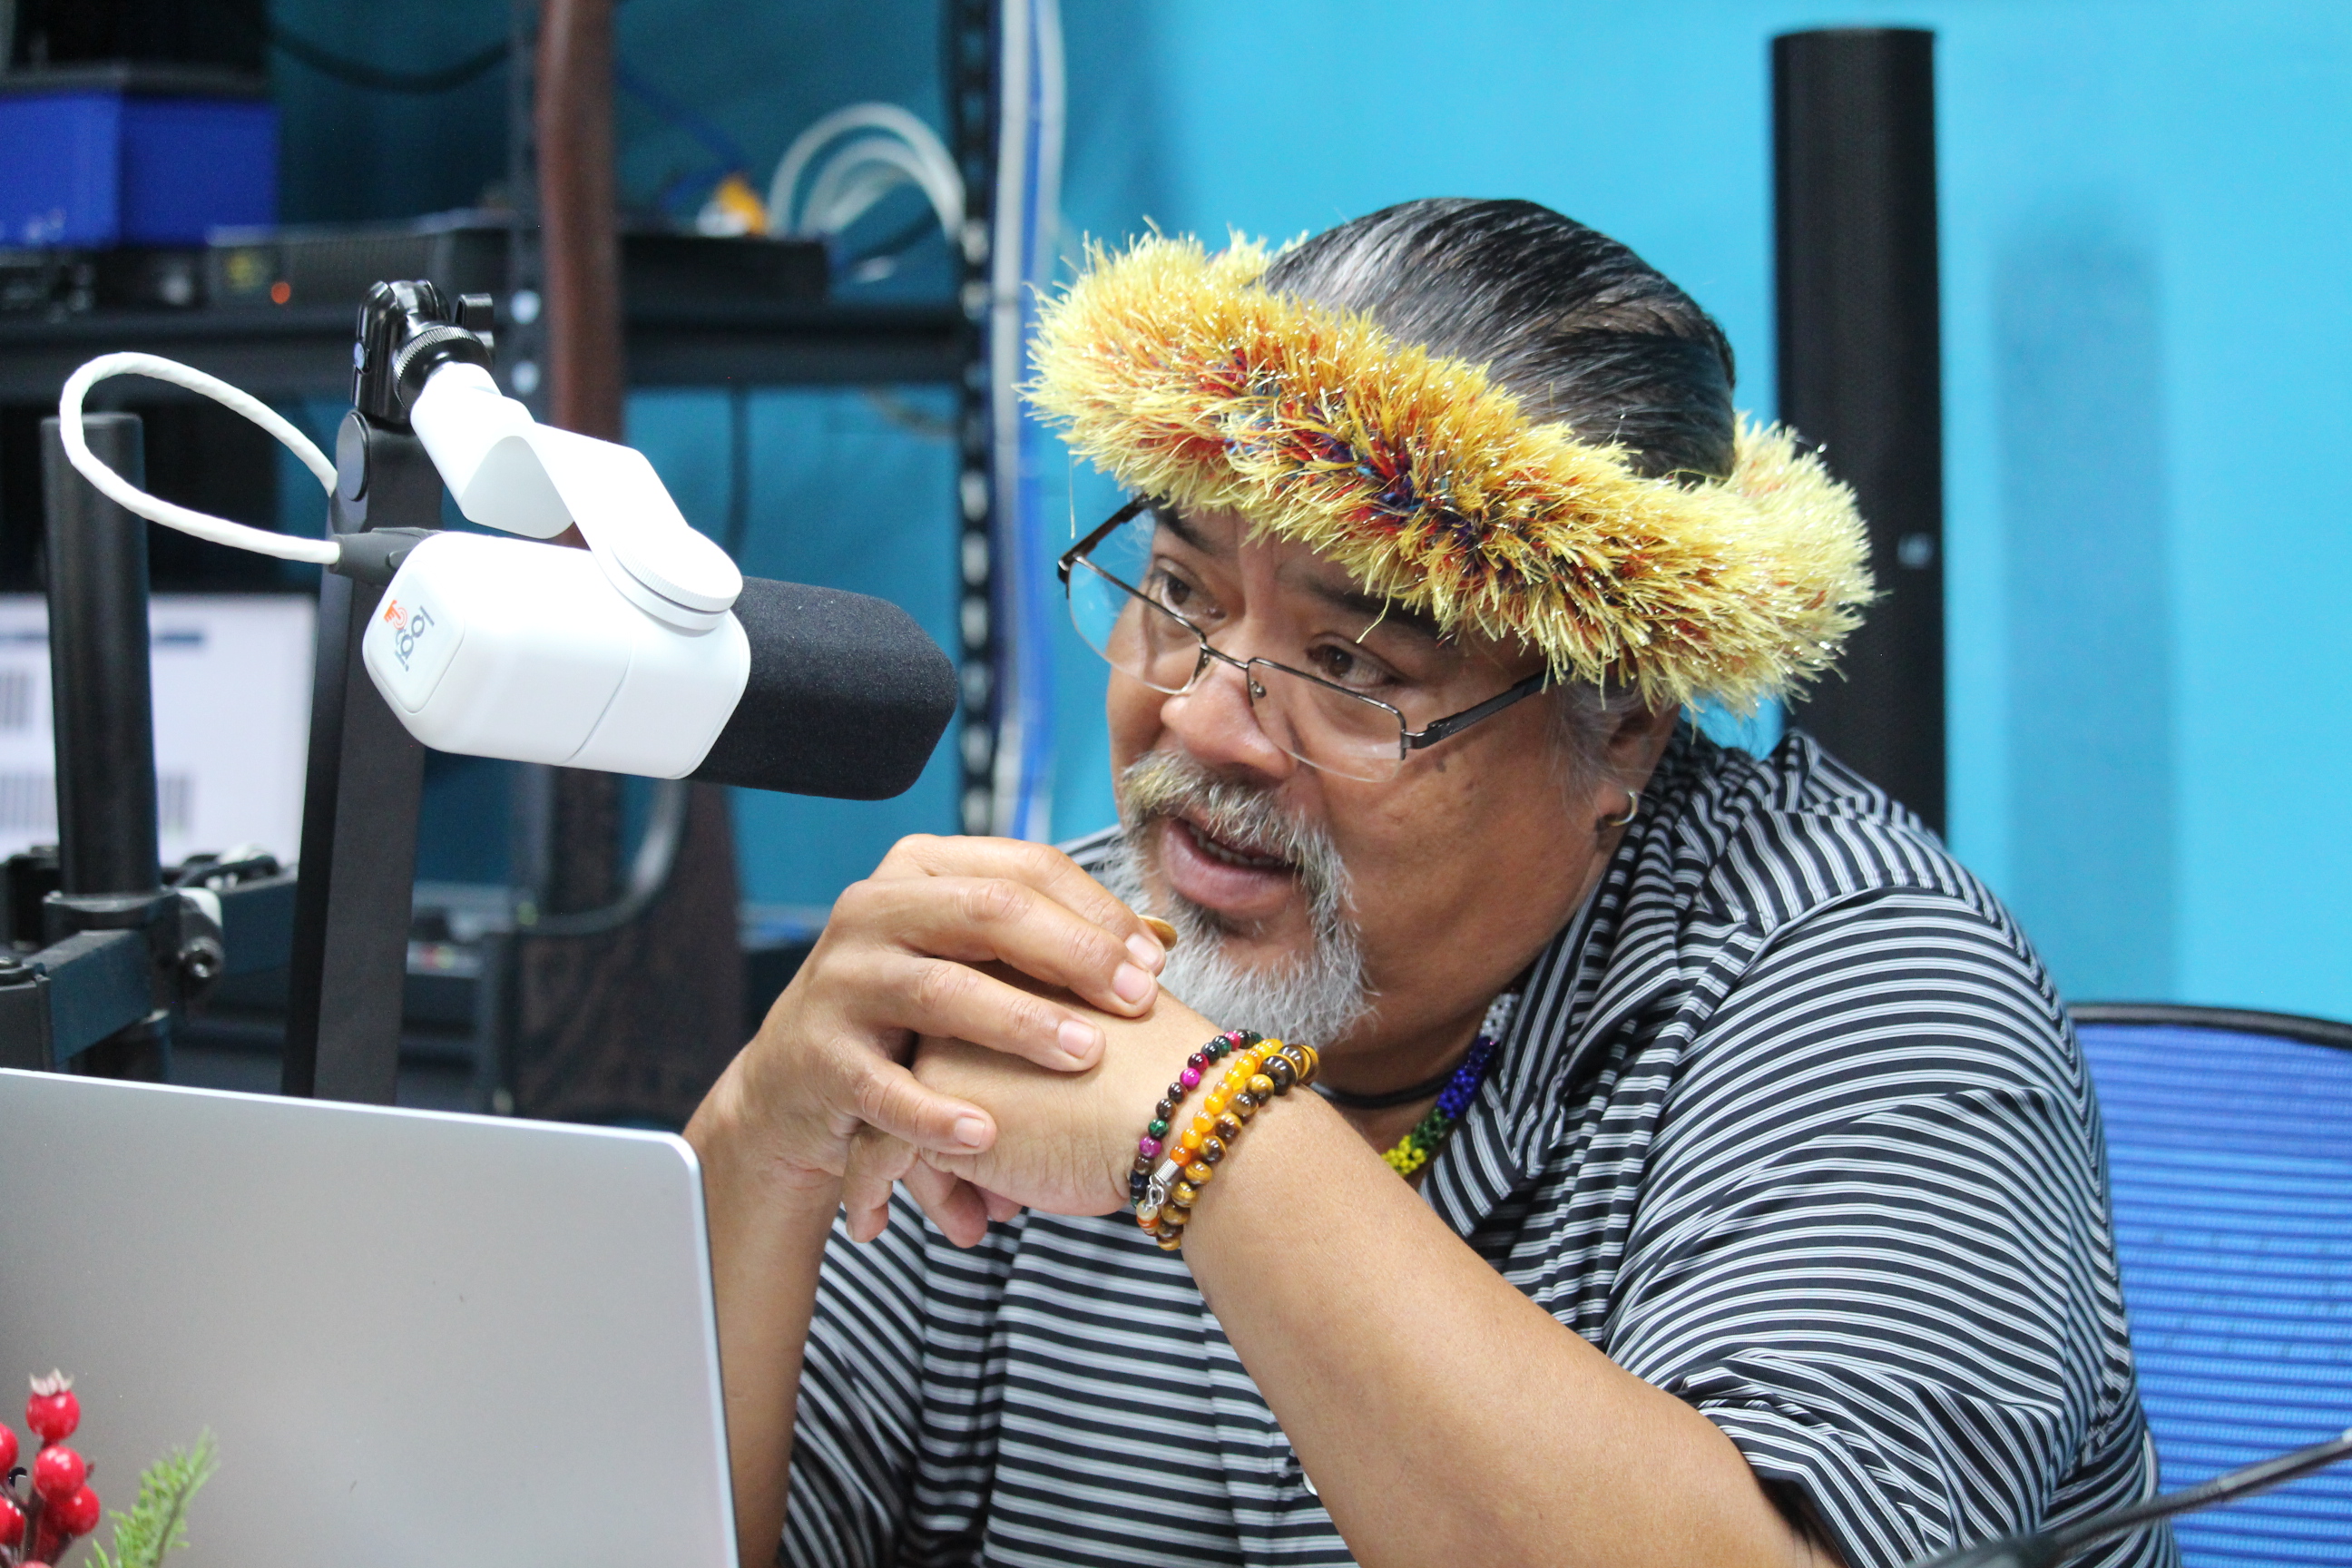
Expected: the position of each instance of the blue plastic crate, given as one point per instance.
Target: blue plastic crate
(96, 168)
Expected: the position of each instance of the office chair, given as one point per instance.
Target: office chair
(2229, 1145)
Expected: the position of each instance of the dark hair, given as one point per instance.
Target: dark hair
(1578, 327)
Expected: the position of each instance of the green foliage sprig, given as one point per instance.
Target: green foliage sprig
(158, 1521)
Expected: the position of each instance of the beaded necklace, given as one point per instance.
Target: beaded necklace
(1421, 1145)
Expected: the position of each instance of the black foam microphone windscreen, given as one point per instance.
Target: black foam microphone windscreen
(847, 696)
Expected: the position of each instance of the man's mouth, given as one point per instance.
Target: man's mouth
(1232, 854)
(1239, 882)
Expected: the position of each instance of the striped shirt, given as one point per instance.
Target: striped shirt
(1790, 1123)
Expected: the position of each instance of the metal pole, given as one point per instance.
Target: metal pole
(99, 674)
(1861, 371)
(971, 80)
(102, 700)
(359, 806)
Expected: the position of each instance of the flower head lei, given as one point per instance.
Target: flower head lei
(1178, 373)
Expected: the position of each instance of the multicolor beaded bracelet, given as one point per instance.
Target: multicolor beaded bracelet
(1148, 1148)
(1262, 1070)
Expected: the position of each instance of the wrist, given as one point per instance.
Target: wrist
(744, 1151)
(1224, 1087)
(1142, 1065)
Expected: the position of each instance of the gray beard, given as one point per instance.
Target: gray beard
(1316, 997)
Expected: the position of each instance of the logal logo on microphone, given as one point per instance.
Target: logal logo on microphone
(407, 628)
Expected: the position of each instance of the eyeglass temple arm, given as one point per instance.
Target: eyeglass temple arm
(1454, 723)
(1070, 556)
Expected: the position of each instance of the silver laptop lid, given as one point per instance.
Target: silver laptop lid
(419, 1339)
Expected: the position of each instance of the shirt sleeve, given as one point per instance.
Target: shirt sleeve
(854, 1436)
(1873, 1246)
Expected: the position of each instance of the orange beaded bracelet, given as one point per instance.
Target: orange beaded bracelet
(1260, 1071)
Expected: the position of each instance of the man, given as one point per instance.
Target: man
(1708, 1174)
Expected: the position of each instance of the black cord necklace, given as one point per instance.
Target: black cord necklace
(1427, 1087)
(1395, 1097)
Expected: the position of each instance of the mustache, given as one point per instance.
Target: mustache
(1163, 785)
(1318, 994)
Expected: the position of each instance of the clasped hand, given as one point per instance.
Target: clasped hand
(979, 1020)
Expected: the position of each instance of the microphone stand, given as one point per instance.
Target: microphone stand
(2047, 1549)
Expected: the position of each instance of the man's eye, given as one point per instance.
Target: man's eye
(1344, 666)
(1180, 596)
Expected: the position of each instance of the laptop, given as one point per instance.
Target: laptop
(417, 1339)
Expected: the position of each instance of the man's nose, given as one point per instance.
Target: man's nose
(1215, 724)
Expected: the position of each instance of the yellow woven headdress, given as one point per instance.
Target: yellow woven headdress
(1176, 373)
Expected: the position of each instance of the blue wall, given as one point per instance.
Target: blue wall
(2145, 252)
(2144, 319)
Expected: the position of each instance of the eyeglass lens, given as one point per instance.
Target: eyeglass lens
(1317, 723)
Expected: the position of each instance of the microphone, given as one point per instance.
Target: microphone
(2048, 1548)
(646, 652)
(527, 651)
(846, 696)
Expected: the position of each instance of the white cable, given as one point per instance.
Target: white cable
(204, 525)
(862, 173)
(943, 184)
(885, 117)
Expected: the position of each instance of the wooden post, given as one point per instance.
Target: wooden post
(634, 1022)
(579, 216)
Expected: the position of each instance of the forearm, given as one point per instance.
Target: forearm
(1441, 1415)
(768, 1230)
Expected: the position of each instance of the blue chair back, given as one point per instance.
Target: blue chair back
(2229, 1141)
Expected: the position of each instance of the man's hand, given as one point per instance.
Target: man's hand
(899, 959)
(1065, 1142)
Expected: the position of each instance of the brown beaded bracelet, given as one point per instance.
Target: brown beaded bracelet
(1261, 1070)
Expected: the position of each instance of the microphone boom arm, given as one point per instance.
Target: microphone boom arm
(2048, 1548)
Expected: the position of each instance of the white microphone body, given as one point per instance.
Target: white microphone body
(500, 647)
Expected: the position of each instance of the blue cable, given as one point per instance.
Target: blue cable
(694, 125)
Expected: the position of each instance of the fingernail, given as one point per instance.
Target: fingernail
(1131, 984)
(1078, 1040)
(1162, 930)
(1148, 952)
(970, 1131)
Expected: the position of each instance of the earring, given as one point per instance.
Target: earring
(1633, 810)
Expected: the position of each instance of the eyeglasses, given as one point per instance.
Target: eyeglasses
(1317, 722)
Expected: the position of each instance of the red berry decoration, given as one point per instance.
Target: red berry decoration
(53, 1411)
(57, 1472)
(76, 1513)
(40, 1522)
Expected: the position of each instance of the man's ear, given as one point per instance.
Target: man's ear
(1637, 739)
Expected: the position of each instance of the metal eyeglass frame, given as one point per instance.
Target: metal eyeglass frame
(1410, 739)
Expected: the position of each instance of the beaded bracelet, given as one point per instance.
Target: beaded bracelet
(1149, 1147)
(1262, 1068)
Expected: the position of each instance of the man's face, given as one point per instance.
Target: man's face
(1446, 879)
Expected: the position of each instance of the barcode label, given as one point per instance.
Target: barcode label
(29, 804)
(175, 802)
(15, 700)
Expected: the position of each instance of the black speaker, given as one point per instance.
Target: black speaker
(1861, 371)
